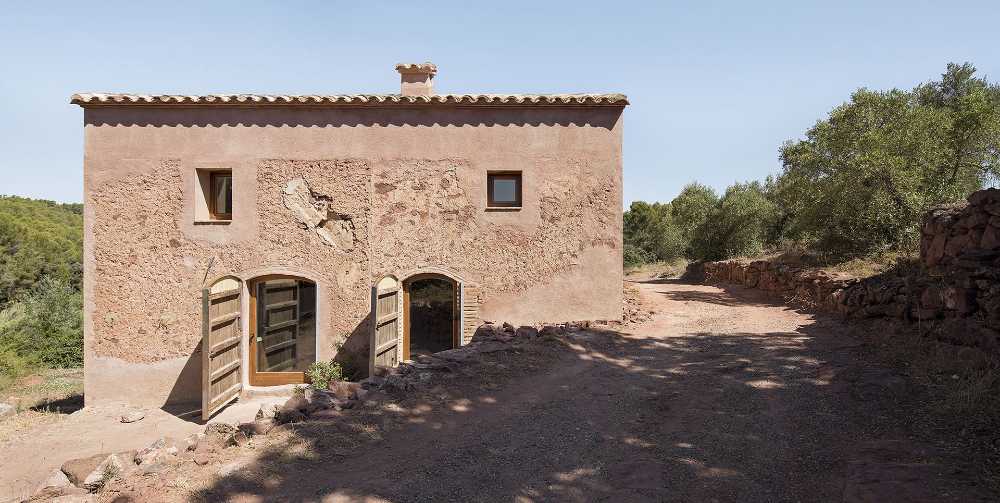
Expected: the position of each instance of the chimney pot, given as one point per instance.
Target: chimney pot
(416, 79)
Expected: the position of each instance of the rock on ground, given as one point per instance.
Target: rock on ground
(77, 470)
(133, 416)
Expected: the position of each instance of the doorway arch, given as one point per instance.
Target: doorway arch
(283, 319)
(431, 314)
(388, 329)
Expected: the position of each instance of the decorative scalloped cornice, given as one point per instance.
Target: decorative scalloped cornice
(101, 99)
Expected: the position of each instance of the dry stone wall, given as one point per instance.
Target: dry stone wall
(958, 277)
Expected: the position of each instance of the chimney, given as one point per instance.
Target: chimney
(416, 79)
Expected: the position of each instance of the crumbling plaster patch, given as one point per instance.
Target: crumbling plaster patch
(316, 212)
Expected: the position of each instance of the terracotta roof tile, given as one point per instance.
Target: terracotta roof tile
(97, 99)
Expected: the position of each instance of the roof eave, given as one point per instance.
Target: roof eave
(562, 100)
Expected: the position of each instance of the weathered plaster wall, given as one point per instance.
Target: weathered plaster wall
(433, 213)
(342, 195)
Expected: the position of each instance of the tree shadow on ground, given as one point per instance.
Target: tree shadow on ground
(602, 415)
(724, 295)
(64, 405)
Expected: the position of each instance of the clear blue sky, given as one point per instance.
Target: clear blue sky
(715, 87)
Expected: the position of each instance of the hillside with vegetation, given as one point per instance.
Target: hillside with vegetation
(41, 305)
(853, 188)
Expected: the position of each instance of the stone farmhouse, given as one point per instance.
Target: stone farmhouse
(233, 240)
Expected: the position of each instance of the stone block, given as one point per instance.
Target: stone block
(77, 470)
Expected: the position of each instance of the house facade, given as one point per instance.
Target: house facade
(232, 240)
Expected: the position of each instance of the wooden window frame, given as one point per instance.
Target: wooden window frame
(212, 210)
(491, 176)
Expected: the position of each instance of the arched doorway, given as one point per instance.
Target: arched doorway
(399, 333)
(430, 314)
(282, 329)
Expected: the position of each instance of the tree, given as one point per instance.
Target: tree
(650, 233)
(860, 180)
(690, 209)
(741, 224)
(971, 109)
(38, 239)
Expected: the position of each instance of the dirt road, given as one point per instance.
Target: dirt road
(721, 396)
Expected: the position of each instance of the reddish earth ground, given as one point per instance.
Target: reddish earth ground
(723, 395)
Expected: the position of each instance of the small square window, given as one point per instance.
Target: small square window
(220, 204)
(503, 189)
(213, 202)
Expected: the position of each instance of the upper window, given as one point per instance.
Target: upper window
(213, 202)
(221, 203)
(503, 189)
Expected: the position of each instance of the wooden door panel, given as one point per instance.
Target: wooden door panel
(221, 357)
(278, 325)
(384, 341)
(283, 326)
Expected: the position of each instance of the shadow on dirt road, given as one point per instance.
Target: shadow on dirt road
(722, 396)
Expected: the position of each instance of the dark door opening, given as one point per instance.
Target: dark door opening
(430, 316)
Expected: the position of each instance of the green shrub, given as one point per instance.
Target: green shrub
(650, 234)
(633, 255)
(12, 367)
(321, 374)
(45, 325)
(742, 224)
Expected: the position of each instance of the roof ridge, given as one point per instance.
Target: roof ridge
(578, 99)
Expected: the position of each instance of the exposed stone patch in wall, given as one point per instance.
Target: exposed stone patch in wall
(149, 273)
(315, 212)
(425, 217)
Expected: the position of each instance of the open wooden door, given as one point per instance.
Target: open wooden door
(469, 300)
(282, 340)
(384, 342)
(458, 316)
(221, 358)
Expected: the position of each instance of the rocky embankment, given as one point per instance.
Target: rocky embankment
(958, 278)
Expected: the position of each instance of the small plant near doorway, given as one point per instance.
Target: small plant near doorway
(321, 374)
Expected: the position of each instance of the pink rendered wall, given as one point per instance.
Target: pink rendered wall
(412, 182)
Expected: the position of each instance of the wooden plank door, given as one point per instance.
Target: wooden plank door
(282, 330)
(470, 312)
(458, 316)
(221, 358)
(277, 325)
(384, 342)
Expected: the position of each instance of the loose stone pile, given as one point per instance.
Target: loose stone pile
(77, 478)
